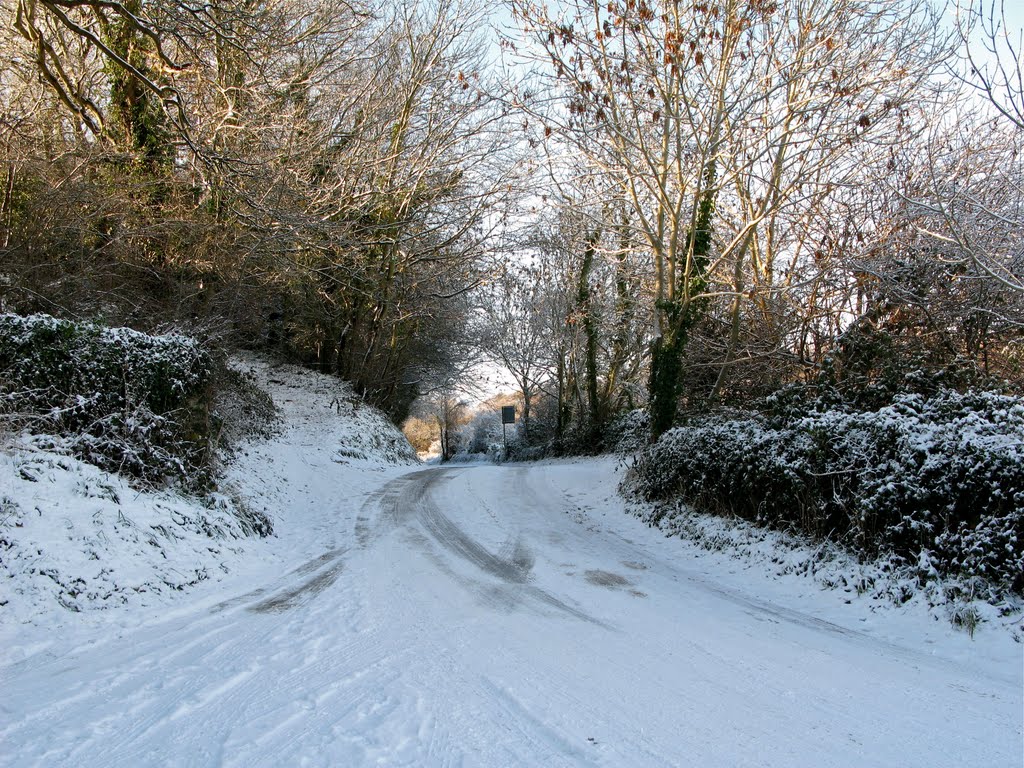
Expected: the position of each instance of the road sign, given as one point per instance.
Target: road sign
(508, 416)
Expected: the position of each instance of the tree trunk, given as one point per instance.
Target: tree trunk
(665, 384)
(625, 309)
(590, 331)
(7, 209)
(526, 391)
(563, 405)
(679, 316)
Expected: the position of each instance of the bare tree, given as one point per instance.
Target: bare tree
(972, 204)
(718, 123)
(298, 172)
(992, 50)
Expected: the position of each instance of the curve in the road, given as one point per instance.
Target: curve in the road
(407, 500)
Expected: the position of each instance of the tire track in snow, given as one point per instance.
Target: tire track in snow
(559, 750)
(284, 687)
(290, 598)
(408, 499)
(171, 705)
(280, 601)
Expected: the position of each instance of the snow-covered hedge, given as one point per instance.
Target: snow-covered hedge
(129, 402)
(928, 479)
(629, 432)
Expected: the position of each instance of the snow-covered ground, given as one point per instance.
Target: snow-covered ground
(485, 616)
(76, 542)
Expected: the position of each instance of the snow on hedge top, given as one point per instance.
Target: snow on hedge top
(46, 362)
(940, 475)
(984, 419)
(132, 403)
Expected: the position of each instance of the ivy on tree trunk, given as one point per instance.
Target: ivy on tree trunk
(680, 313)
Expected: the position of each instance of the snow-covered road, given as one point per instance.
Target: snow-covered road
(509, 616)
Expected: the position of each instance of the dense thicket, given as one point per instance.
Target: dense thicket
(127, 402)
(309, 175)
(744, 196)
(934, 479)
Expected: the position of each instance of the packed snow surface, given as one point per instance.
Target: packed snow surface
(489, 616)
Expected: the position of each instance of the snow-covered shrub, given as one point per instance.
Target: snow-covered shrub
(482, 434)
(712, 463)
(128, 402)
(520, 450)
(241, 408)
(630, 431)
(941, 475)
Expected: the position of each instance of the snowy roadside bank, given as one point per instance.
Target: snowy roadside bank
(885, 584)
(81, 549)
(737, 560)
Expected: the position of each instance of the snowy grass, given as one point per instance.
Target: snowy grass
(886, 582)
(75, 537)
(326, 405)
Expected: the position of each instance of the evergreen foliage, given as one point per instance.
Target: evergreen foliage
(131, 403)
(938, 478)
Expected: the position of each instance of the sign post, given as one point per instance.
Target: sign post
(508, 416)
